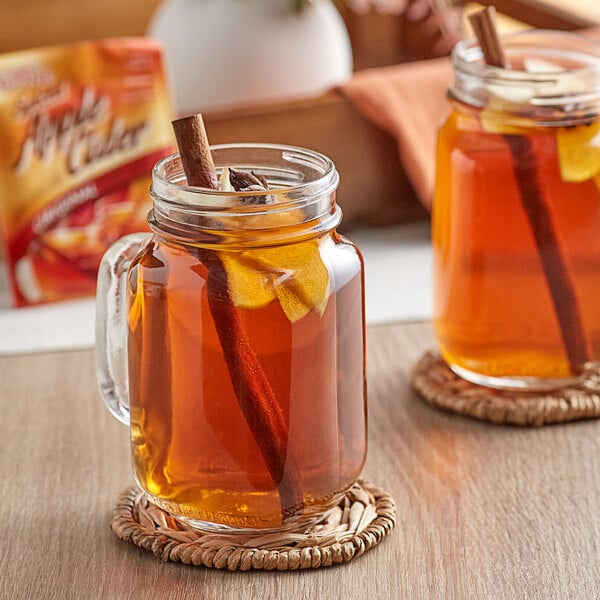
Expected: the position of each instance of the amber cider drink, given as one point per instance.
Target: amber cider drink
(516, 216)
(246, 346)
(192, 448)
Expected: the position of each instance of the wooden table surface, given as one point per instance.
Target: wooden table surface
(483, 511)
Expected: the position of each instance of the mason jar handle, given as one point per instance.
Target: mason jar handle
(111, 323)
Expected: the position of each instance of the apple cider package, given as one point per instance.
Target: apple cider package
(81, 127)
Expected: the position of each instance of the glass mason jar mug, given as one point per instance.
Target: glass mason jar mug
(516, 215)
(242, 376)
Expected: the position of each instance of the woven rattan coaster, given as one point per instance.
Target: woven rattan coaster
(441, 387)
(360, 521)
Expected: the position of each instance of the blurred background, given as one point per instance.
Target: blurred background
(302, 73)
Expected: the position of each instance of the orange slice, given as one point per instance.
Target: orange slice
(578, 151)
(293, 274)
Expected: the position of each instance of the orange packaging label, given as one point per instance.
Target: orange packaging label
(81, 127)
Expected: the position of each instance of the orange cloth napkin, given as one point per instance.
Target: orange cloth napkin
(409, 102)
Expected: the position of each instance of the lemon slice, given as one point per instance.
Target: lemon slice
(492, 124)
(250, 285)
(578, 146)
(578, 151)
(493, 116)
(294, 274)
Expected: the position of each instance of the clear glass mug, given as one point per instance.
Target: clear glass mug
(232, 341)
(516, 215)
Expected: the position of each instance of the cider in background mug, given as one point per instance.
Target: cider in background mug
(516, 216)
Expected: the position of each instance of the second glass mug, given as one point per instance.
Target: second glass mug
(232, 342)
(516, 214)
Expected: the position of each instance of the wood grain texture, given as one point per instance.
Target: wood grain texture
(483, 511)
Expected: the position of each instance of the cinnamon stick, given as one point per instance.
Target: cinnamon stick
(539, 214)
(556, 268)
(484, 26)
(194, 149)
(256, 397)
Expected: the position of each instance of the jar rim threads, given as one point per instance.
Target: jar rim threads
(554, 76)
